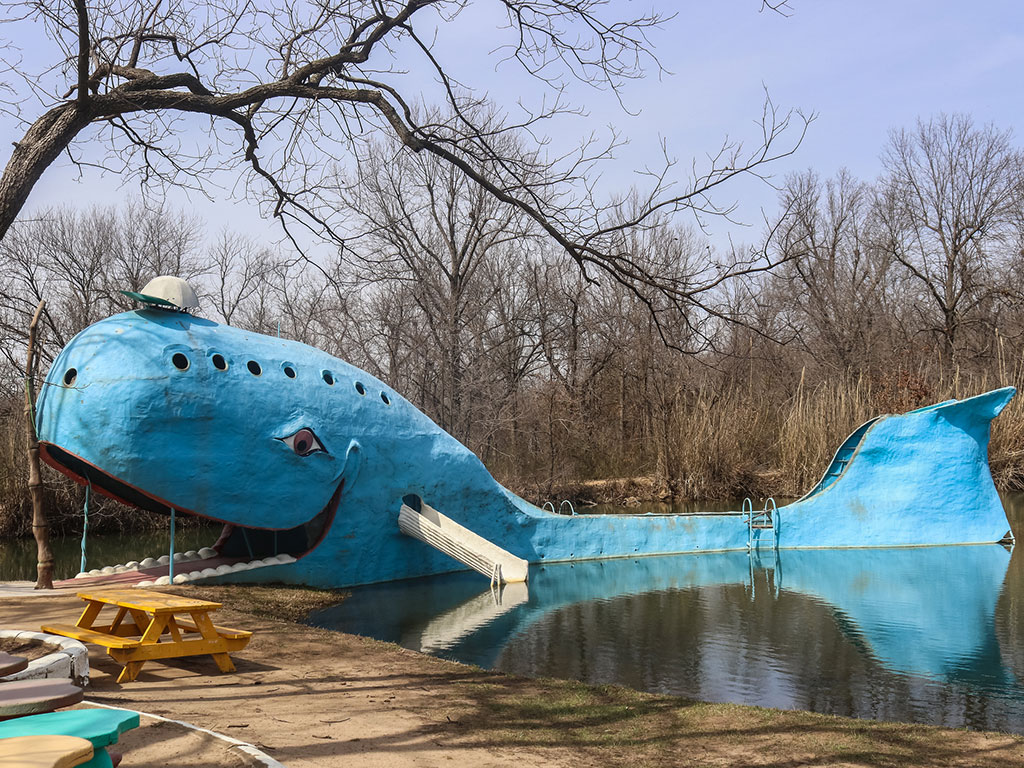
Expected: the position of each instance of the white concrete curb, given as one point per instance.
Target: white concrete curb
(71, 661)
(257, 757)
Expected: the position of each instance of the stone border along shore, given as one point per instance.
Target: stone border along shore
(71, 661)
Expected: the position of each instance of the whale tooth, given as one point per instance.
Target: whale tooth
(131, 565)
(182, 578)
(222, 569)
(192, 555)
(240, 567)
(179, 557)
(107, 569)
(269, 561)
(144, 584)
(162, 581)
(148, 562)
(207, 572)
(206, 552)
(285, 559)
(121, 568)
(163, 559)
(82, 575)
(94, 572)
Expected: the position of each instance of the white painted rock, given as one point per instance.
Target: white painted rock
(206, 552)
(162, 581)
(192, 555)
(207, 572)
(144, 584)
(148, 562)
(179, 557)
(183, 578)
(163, 559)
(131, 565)
(94, 572)
(222, 569)
(107, 569)
(81, 575)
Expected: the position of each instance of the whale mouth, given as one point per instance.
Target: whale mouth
(239, 548)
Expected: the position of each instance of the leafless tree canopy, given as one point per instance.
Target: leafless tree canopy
(461, 305)
(175, 92)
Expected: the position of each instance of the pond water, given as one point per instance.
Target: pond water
(931, 634)
(18, 556)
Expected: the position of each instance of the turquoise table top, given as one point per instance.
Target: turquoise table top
(102, 727)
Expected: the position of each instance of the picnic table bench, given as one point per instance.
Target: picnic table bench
(30, 697)
(151, 625)
(10, 665)
(44, 752)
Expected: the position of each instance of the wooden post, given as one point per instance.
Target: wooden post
(40, 528)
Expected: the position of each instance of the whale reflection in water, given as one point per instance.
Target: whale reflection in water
(920, 634)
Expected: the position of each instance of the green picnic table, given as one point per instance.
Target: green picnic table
(101, 727)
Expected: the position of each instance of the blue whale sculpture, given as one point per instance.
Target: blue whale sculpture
(307, 460)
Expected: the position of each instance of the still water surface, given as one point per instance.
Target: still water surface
(932, 635)
(18, 556)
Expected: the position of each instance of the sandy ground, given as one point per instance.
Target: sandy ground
(309, 697)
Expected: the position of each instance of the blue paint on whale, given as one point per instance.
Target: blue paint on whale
(310, 455)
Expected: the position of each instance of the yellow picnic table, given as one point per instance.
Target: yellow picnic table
(151, 625)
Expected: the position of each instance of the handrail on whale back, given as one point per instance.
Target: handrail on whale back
(840, 462)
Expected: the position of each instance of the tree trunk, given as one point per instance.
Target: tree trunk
(40, 528)
(42, 144)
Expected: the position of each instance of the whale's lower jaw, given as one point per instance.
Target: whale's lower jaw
(238, 548)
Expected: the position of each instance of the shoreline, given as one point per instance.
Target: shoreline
(313, 697)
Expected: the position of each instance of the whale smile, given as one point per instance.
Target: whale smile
(239, 547)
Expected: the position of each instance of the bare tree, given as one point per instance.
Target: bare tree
(837, 281)
(950, 204)
(285, 90)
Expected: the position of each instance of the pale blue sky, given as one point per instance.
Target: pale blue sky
(862, 67)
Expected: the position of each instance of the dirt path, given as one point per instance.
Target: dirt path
(315, 698)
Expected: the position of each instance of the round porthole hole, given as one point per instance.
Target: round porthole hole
(328, 377)
(219, 362)
(180, 361)
(360, 388)
(254, 368)
(385, 398)
(69, 376)
(289, 372)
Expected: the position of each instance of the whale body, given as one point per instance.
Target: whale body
(302, 454)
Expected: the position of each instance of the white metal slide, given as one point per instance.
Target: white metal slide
(431, 527)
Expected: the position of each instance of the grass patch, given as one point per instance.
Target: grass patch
(272, 601)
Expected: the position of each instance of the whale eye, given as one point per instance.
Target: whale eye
(304, 442)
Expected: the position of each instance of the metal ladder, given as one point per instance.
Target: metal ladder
(765, 520)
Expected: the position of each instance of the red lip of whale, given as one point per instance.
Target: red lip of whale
(85, 473)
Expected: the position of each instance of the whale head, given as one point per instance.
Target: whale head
(161, 410)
